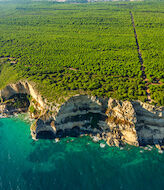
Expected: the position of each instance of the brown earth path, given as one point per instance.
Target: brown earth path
(141, 60)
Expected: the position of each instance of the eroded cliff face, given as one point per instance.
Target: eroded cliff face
(79, 114)
(121, 120)
(150, 123)
(116, 122)
(22, 87)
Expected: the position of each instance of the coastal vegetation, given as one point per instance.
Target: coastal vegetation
(18, 101)
(84, 48)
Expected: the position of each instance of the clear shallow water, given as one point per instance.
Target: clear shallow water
(77, 165)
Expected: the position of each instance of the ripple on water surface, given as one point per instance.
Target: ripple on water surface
(73, 163)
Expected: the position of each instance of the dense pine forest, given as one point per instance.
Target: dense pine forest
(84, 48)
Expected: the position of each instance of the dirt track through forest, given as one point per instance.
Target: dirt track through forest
(140, 59)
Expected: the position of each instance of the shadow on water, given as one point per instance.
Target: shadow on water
(78, 165)
(1, 124)
(90, 169)
(75, 170)
(43, 152)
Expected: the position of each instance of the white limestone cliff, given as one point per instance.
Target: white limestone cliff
(117, 122)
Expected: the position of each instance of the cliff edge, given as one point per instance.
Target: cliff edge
(117, 122)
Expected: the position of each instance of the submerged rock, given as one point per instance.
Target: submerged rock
(158, 146)
(96, 139)
(57, 140)
(102, 145)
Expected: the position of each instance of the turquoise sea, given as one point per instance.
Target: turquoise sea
(73, 163)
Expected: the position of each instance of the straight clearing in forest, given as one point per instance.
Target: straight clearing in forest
(140, 58)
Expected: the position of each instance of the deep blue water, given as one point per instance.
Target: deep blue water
(73, 163)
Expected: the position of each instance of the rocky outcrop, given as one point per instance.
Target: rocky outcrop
(22, 87)
(79, 114)
(17, 103)
(116, 122)
(121, 121)
(150, 123)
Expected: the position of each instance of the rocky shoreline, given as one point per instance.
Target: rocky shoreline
(117, 122)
